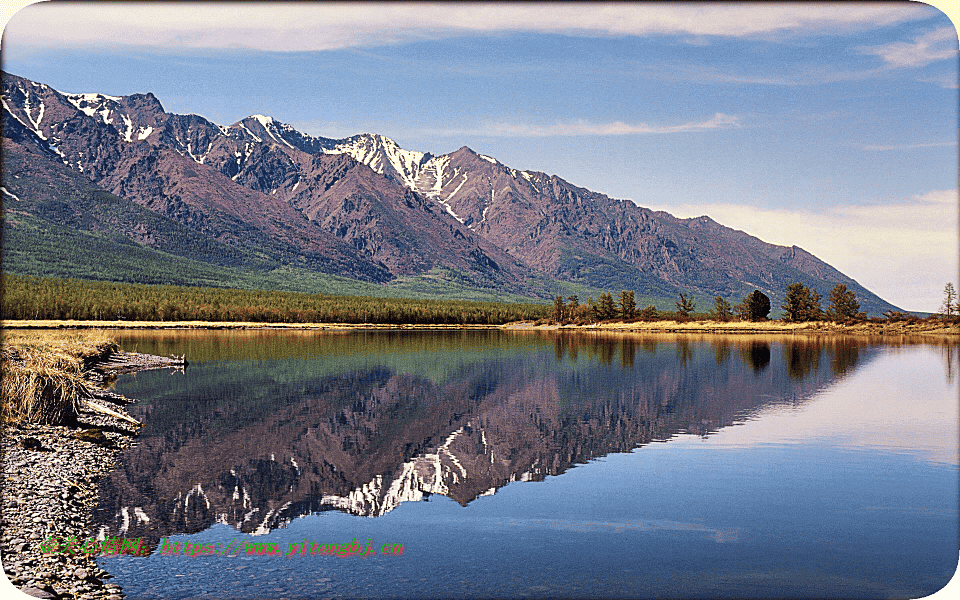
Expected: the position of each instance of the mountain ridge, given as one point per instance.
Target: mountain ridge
(365, 208)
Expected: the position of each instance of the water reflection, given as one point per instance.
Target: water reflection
(951, 357)
(267, 426)
(756, 354)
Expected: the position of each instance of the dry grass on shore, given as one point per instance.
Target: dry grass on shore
(42, 373)
(927, 327)
(930, 326)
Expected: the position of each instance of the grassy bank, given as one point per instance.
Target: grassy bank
(42, 373)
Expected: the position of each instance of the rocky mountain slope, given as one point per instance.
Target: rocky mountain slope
(364, 208)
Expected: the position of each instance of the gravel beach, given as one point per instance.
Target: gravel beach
(50, 485)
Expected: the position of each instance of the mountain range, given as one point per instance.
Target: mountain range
(116, 188)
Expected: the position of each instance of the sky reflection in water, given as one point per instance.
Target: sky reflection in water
(790, 468)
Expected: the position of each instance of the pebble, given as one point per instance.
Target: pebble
(48, 493)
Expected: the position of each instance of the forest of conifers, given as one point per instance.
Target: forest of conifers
(27, 297)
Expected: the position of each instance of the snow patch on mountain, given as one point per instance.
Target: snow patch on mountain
(6, 193)
(128, 132)
(14, 115)
(93, 104)
(272, 129)
(27, 107)
(264, 120)
(253, 135)
(384, 156)
(454, 192)
(35, 122)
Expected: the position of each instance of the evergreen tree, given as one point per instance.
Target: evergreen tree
(755, 306)
(35, 298)
(801, 304)
(684, 305)
(558, 309)
(843, 305)
(606, 309)
(628, 307)
(949, 307)
(649, 313)
(722, 311)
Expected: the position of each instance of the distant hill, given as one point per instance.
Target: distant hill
(114, 187)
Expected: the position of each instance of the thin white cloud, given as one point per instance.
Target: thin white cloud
(311, 26)
(948, 81)
(584, 128)
(933, 46)
(904, 252)
(911, 146)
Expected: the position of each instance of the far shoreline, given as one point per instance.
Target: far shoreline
(896, 328)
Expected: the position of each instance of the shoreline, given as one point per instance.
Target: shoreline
(762, 327)
(898, 328)
(220, 325)
(50, 481)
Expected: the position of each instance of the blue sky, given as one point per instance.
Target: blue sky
(830, 126)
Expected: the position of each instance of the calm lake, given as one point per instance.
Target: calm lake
(538, 465)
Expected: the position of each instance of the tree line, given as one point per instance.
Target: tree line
(801, 304)
(26, 297)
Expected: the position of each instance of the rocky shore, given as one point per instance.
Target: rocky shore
(50, 486)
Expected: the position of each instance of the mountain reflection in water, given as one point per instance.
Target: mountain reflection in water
(268, 426)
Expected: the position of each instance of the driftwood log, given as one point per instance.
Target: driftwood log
(96, 407)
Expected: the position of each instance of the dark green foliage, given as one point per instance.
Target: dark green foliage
(605, 307)
(685, 305)
(600, 273)
(844, 305)
(27, 297)
(41, 249)
(722, 311)
(558, 309)
(801, 304)
(628, 306)
(754, 307)
(649, 313)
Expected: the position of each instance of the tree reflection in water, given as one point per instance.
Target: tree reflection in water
(361, 422)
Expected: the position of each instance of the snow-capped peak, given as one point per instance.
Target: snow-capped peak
(110, 111)
(89, 104)
(263, 119)
(384, 156)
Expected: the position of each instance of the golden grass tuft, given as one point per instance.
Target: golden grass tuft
(42, 373)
